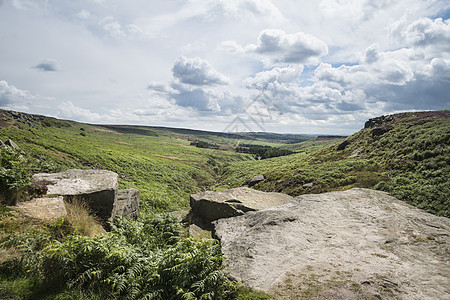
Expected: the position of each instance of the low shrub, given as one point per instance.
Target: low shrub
(14, 175)
(140, 259)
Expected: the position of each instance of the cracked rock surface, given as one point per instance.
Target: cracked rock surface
(356, 244)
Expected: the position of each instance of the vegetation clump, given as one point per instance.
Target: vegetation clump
(263, 152)
(203, 144)
(140, 259)
(51, 122)
(14, 174)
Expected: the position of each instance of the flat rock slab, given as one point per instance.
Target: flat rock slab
(211, 206)
(97, 188)
(78, 182)
(44, 208)
(357, 244)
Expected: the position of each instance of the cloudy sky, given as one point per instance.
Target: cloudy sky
(285, 66)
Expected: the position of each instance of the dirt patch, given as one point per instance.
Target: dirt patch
(44, 208)
(107, 131)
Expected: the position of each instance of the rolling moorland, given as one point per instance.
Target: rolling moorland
(407, 155)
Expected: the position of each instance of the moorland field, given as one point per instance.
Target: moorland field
(154, 257)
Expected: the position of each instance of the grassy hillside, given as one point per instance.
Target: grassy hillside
(160, 162)
(406, 154)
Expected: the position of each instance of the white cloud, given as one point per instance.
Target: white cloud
(385, 68)
(116, 30)
(24, 4)
(402, 79)
(328, 64)
(371, 54)
(47, 65)
(262, 80)
(159, 86)
(83, 14)
(196, 71)
(255, 9)
(439, 68)
(354, 10)
(429, 33)
(113, 28)
(194, 46)
(68, 110)
(197, 98)
(205, 100)
(9, 94)
(280, 47)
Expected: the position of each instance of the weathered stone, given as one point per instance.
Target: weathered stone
(27, 119)
(378, 131)
(211, 206)
(97, 188)
(356, 152)
(343, 145)
(44, 208)
(309, 184)
(338, 241)
(378, 121)
(127, 203)
(255, 180)
(10, 143)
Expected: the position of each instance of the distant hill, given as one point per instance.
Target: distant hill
(277, 137)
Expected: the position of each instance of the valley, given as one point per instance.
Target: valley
(406, 155)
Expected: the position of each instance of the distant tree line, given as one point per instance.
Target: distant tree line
(263, 152)
(203, 144)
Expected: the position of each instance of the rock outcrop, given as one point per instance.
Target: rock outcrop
(255, 180)
(97, 188)
(378, 121)
(211, 206)
(357, 244)
(11, 144)
(24, 118)
(343, 145)
(127, 203)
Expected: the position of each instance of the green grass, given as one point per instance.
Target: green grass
(411, 161)
(162, 165)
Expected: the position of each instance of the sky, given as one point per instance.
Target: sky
(287, 66)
